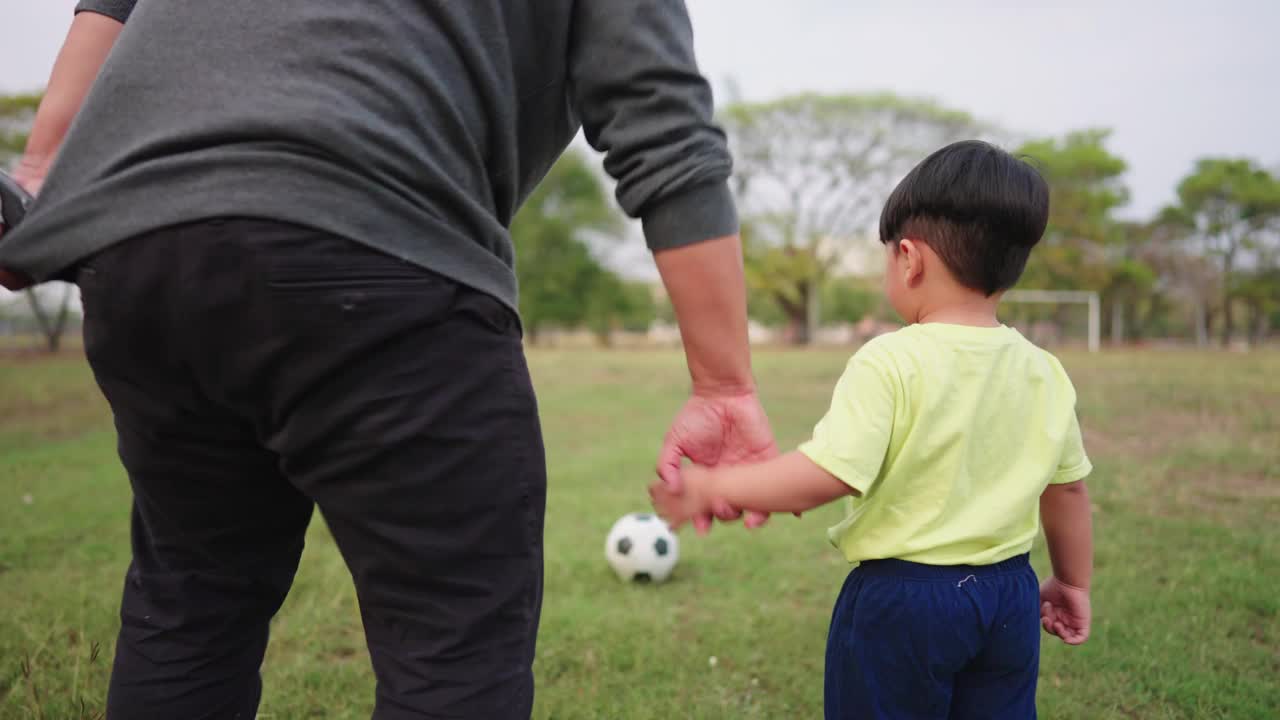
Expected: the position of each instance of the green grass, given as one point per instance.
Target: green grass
(1187, 489)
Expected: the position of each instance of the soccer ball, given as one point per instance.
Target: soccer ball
(641, 548)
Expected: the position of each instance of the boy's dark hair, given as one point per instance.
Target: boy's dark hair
(978, 207)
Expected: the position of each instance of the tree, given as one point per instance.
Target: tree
(1129, 286)
(1232, 206)
(1084, 246)
(618, 305)
(847, 300)
(812, 172)
(17, 112)
(561, 283)
(1259, 290)
(1085, 188)
(1187, 276)
(763, 308)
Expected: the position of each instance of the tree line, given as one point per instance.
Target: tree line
(813, 171)
(811, 174)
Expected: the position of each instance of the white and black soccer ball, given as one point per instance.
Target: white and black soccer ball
(641, 548)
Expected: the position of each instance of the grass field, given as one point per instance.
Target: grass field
(1187, 600)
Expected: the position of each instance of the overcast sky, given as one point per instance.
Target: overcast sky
(1176, 80)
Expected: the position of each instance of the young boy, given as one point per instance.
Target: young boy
(950, 435)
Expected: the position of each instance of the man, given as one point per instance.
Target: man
(288, 222)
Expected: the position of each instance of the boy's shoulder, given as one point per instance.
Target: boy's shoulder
(1050, 360)
(908, 345)
(898, 345)
(884, 350)
(894, 341)
(1048, 367)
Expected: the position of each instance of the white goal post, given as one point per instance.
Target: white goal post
(1053, 297)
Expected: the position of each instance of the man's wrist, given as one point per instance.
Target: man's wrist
(724, 388)
(34, 161)
(31, 169)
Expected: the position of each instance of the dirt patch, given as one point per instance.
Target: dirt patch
(1226, 497)
(60, 420)
(343, 653)
(1154, 434)
(1156, 444)
(1250, 486)
(38, 356)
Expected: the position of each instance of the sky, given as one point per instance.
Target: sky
(1175, 80)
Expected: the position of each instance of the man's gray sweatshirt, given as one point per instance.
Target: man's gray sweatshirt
(414, 126)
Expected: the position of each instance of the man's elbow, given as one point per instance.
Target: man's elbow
(114, 10)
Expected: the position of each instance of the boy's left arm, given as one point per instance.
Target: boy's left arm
(789, 483)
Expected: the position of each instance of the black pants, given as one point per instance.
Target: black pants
(256, 370)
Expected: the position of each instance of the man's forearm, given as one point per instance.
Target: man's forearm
(708, 292)
(1068, 530)
(86, 48)
(789, 483)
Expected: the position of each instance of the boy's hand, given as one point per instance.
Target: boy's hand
(1065, 611)
(685, 506)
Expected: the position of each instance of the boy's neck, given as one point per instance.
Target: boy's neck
(961, 309)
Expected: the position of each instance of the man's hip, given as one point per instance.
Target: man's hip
(396, 400)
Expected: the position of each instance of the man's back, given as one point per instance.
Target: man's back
(416, 127)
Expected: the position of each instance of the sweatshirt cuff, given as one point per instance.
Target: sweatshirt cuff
(702, 212)
(114, 9)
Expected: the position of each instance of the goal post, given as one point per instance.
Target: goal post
(1057, 297)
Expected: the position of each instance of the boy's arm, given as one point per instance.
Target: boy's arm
(1068, 529)
(789, 483)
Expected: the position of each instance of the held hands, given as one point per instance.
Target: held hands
(694, 500)
(713, 430)
(1065, 611)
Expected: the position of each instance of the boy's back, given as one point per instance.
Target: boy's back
(950, 433)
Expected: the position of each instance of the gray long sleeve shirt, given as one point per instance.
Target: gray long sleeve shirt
(415, 126)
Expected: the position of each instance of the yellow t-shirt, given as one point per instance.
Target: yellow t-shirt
(950, 433)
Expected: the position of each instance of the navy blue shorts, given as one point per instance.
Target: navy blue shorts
(923, 641)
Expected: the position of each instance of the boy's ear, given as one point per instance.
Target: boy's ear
(913, 262)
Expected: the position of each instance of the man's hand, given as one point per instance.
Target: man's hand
(29, 180)
(712, 430)
(13, 281)
(1065, 611)
(30, 174)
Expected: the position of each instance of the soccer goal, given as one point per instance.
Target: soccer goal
(1059, 297)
